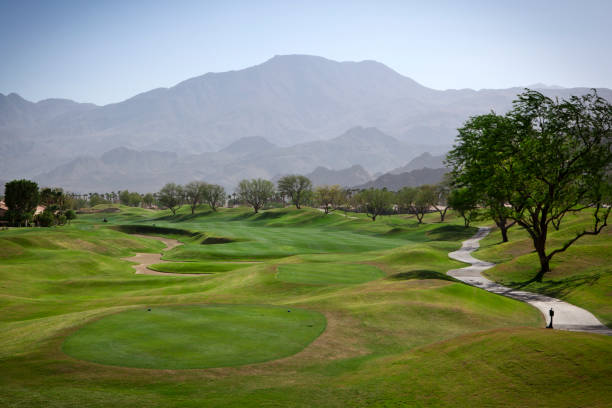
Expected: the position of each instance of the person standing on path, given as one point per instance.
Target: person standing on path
(551, 312)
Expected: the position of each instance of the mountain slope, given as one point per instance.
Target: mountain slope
(288, 100)
(414, 178)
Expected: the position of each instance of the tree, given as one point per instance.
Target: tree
(464, 201)
(442, 190)
(21, 198)
(95, 199)
(45, 219)
(134, 199)
(256, 192)
(297, 188)
(214, 195)
(551, 158)
(148, 200)
(417, 200)
(171, 197)
(374, 202)
(330, 197)
(194, 193)
(70, 215)
(476, 160)
(124, 197)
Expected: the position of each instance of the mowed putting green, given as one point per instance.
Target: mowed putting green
(183, 337)
(328, 273)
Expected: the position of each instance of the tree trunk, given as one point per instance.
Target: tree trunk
(501, 224)
(540, 246)
(443, 214)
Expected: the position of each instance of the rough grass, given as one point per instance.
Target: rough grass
(408, 340)
(328, 273)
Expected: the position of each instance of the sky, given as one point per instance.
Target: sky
(107, 51)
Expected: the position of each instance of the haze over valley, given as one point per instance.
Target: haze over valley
(290, 114)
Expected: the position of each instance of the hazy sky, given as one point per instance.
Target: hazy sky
(106, 51)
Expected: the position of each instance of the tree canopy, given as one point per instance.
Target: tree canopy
(256, 192)
(214, 195)
(544, 159)
(21, 198)
(171, 197)
(374, 202)
(330, 198)
(297, 188)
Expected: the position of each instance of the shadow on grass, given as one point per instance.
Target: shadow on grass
(422, 274)
(451, 233)
(151, 229)
(556, 288)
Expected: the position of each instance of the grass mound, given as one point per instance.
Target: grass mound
(198, 267)
(325, 274)
(182, 337)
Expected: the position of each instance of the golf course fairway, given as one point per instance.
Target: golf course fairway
(195, 336)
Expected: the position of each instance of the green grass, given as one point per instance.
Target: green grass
(328, 273)
(195, 336)
(410, 337)
(582, 275)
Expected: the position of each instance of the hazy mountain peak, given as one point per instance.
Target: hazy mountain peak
(249, 145)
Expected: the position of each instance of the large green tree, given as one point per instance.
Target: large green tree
(297, 188)
(545, 158)
(21, 198)
(477, 159)
(256, 192)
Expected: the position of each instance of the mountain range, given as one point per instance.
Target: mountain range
(290, 114)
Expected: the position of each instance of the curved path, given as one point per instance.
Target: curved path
(567, 316)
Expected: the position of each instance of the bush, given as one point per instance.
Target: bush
(45, 219)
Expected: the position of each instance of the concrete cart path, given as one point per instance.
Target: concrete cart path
(567, 316)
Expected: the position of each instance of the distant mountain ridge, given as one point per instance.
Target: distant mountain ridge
(291, 100)
(351, 176)
(422, 161)
(414, 178)
(327, 162)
